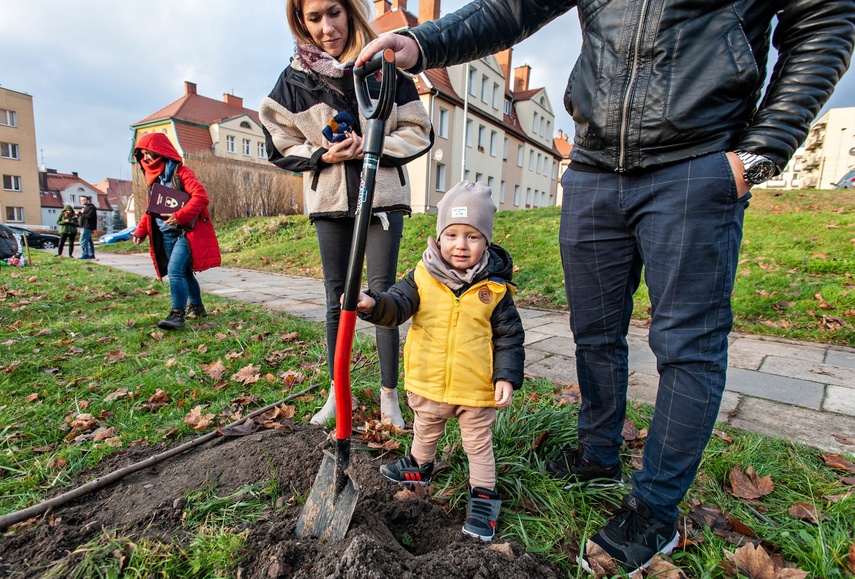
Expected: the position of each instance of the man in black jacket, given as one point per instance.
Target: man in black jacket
(88, 224)
(669, 140)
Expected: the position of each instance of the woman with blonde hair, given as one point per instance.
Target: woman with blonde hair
(313, 126)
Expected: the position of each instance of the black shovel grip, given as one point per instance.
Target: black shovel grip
(384, 61)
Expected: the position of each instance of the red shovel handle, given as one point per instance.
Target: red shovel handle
(343, 350)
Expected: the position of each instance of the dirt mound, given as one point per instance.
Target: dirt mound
(392, 534)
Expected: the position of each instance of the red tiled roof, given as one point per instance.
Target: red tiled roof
(524, 95)
(562, 147)
(115, 189)
(438, 79)
(51, 199)
(394, 20)
(57, 182)
(193, 139)
(195, 108)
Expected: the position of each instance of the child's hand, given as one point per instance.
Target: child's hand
(364, 305)
(504, 393)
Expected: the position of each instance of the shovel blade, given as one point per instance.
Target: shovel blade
(327, 512)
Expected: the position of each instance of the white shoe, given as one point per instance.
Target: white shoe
(389, 407)
(323, 415)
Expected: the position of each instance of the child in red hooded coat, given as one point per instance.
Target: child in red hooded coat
(175, 251)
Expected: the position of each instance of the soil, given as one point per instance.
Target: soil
(392, 534)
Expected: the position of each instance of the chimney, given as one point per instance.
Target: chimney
(233, 101)
(74, 173)
(428, 10)
(189, 87)
(560, 134)
(521, 76)
(399, 5)
(505, 59)
(381, 7)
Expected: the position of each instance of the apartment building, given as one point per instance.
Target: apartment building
(489, 125)
(562, 146)
(19, 196)
(829, 151)
(60, 189)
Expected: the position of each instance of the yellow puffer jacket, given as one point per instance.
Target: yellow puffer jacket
(447, 362)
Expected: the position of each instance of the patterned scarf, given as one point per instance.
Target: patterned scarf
(332, 73)
(441, 271)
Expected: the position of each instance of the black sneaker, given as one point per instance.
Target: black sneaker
(482, 514)
(573, 468)
(174, 321)
(407, 471)
(633, 537)
(196, 311)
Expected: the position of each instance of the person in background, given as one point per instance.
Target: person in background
(671, 134)
(67, 222)
(313, 126)
(464, 352)
(176, 249)
(88, 223)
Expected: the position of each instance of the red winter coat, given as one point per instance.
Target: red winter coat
(204, 248)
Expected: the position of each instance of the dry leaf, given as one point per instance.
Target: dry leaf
(847, 440)
(749, 485)
(807, 513)
(197, 421)
(104, 433)
(837, 461)
(203, 348)
(32, 397)
(755, 562)
(629, 432)
(503, 548)
(215, 370)
(114, 356)
(120, 393)
(662, 569)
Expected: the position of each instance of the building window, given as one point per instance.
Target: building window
(492, 190)
(548, 128)
(443, 123)
(485, 89)
(473, 75)
(479, 177)
(245, 125)
(262, 150)
(9, 151)
(502, 192)
(163, 131)
(247, 147)
(468, 133)
(494, 137)
(440, 177)
(12, 183)
(14, 214)
(505, 149)
(543, 198)
(230, 144)
(531, 160)
(508, 106)
(534, 123)
(539, 163)
(516, 195)
(482, 138)
(466, 175)
(495, 95)
(519, 155)
(543, 126)
(8, 118)
(528, 197)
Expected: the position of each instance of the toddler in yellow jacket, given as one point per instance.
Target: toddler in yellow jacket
(464, 353)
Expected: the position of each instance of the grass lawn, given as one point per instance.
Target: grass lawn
(82, 355)
(794, 279)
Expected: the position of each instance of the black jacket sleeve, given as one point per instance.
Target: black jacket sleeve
(508, 340)
(396, 306)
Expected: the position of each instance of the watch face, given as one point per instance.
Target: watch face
(760, 172)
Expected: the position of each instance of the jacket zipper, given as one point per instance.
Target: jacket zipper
(630, 87)
(449, 347)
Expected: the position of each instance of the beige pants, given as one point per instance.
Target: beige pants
(475, 431)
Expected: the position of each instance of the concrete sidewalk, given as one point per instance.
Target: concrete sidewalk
(797, 390)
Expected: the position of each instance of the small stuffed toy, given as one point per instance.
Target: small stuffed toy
(338, 127)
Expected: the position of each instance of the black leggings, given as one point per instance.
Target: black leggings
(70, 237)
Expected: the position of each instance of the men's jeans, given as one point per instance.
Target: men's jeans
(683, 223)
(182, 282)
(335, 237)
(87, 248)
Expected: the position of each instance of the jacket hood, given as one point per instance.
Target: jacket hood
(68, 208)
(156, 143)
(499, 265)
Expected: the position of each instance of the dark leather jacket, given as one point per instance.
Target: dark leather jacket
(660, 81)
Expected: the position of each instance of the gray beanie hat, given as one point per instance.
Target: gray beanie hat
(468, 203)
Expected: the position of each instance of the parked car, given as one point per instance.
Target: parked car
(37, 240)
(847, 182)
(123, 235)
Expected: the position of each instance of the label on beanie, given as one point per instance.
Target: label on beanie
(459, 212)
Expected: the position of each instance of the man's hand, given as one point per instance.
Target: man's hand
(406, 50)
(742, 186)
(504, 393)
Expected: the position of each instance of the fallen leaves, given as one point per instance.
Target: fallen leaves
(750, 485)
(754, 562)
(838, 462)
(215, 370)
(247, 375)
(198, 421)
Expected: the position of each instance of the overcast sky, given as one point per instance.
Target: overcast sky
(94, 67)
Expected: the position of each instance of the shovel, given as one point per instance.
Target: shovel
(332, 500)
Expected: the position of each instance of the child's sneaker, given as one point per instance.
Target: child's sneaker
(407, 471)
(633, 537)
(482, 514)
(575, 470)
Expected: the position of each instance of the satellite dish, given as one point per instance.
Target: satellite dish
(438, 154)
(852, 151)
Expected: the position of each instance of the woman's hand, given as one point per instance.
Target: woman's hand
(350, 148)
(137, 239)
(169, 218)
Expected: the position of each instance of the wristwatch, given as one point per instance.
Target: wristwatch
(758, 169)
